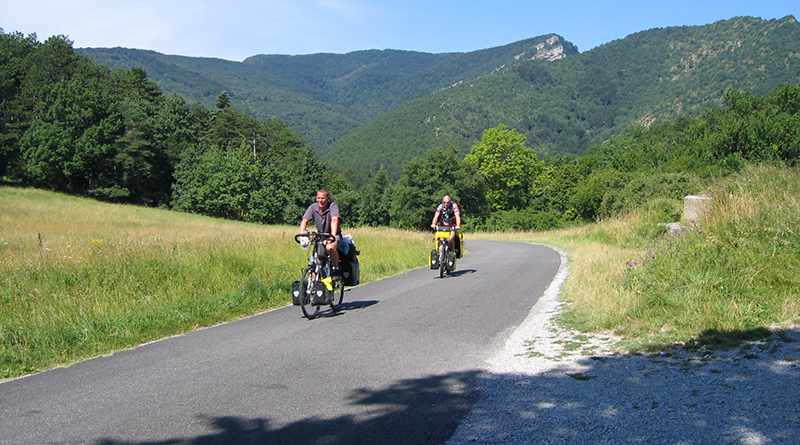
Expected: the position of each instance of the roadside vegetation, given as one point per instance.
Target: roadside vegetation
(733, 278)
(80, 277)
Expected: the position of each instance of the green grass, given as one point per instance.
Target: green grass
(106, 277)
(729, 281)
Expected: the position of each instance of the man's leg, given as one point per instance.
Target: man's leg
(333, 251)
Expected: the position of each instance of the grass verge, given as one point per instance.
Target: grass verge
(80, 278)
(734, 276)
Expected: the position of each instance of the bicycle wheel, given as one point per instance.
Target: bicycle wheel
(307, 286)
(338, 295)
(442, 259)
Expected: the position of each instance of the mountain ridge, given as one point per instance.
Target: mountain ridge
(566, 106)
(322, 95)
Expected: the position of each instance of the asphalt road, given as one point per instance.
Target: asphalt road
(399, 364)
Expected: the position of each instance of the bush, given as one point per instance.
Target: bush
(648, 187)
(655, 214)
(524, 219)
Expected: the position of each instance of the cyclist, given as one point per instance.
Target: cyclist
(447, 215)
(325, 214)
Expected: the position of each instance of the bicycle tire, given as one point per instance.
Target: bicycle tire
(310, 311)
(338, 296)
(442, 259)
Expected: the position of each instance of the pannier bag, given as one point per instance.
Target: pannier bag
(321, 295)
(347, 247)
(349, 261)
(350, 271)
(434, 261)
(296, 293)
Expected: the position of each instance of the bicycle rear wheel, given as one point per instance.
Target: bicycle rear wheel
(307, 287)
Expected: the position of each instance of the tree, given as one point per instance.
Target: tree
(423, 181)
(506, 166)
(223, 101)
(373, 205)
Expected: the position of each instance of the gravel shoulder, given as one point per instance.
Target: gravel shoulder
(552, 385)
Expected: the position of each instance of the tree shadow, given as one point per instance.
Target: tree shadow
(725, 397)
(414, 411)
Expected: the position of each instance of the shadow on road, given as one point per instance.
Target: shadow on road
(347, 306)
(458, 273)
(748, 394)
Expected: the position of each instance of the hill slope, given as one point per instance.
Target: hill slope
(324, 95)
(570, 104)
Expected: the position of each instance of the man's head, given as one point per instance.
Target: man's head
(447, 201)
(323, 198)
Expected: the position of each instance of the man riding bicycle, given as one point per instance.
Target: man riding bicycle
(325, 214)
(447, 215)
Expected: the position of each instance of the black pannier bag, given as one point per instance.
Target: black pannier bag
(350, 271)
(349, 262)
(296, 293)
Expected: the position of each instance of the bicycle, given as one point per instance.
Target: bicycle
(442, 257)
(317, 287)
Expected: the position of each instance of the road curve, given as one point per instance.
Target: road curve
(398, 365)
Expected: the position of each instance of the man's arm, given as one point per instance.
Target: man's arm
(307, 215)
(458, 215)
(334, 225)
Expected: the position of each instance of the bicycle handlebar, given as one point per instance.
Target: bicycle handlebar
(314, 235)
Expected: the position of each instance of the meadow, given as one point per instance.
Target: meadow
(80, 278)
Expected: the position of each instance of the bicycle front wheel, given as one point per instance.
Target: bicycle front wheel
(307, 288)
(442, 260)
(338, 295)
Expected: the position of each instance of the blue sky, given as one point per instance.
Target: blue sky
(236, 29)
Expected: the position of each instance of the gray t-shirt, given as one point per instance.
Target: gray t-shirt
(322, 219)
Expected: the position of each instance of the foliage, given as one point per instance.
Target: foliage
(503, 185)
(422, 184)
(373, 204)
(524, 219)
(572, 104)
(506, 165)
(70, 125)
(739, 272)
(323, 96)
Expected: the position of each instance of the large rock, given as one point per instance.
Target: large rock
(695, 208)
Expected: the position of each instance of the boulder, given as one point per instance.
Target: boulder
(695, 208)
